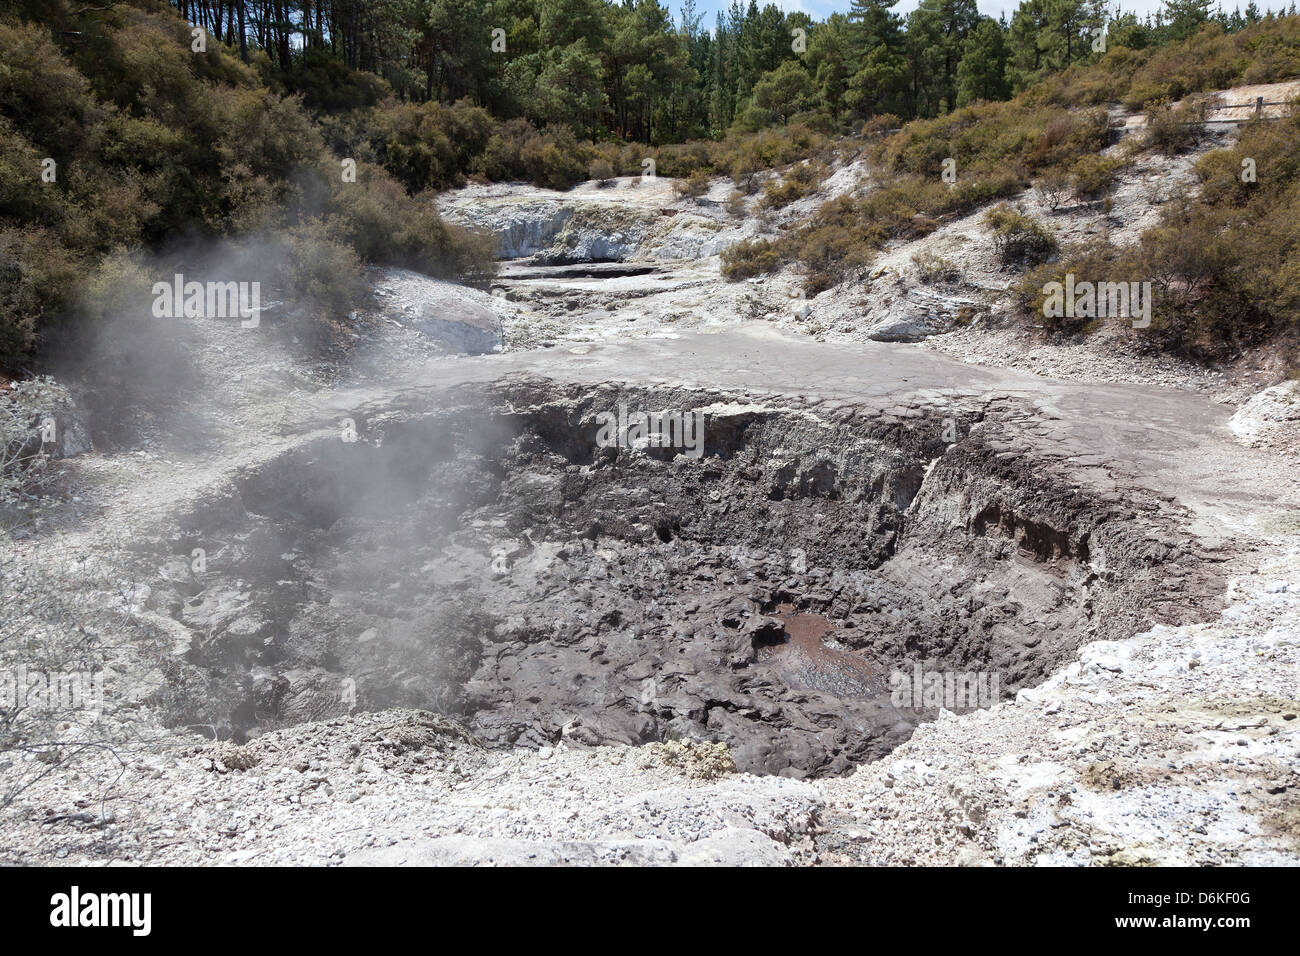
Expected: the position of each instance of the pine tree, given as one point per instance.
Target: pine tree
(1186, 16)
(1028, 43)
(874, 25)
(981, 74)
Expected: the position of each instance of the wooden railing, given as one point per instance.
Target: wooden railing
(1258, 106)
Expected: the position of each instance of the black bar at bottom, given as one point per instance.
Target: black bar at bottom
(329, 905)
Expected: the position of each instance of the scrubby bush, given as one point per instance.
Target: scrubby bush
(932, 267)
(987, 138)
(152, 142)
(681, 159)
(322, 278)
(326, 85)
(413, 145)
(782, 192)
(799, 181)
(880, 124)
(829, 255)
(996, 147)
(29, 415)
(1171, 129)
(744, 171)
(601, 170)
(518, 151)
(37, 273)
(1095, 262)
(118, 286)
(1019, 238)
(749, 257)
(1054, 184)
(693, 186)
(845, 233)
(1212, 60)
(1264, 52)
(1093, 176)
(385, 226)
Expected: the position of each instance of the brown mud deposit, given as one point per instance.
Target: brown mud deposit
(807, 661)
(479, 555)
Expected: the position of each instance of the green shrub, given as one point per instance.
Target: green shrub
(1172, 130)
(51, 101)
(1093, 176)
(1264, 52)
(119, 285)
(845, 233)
(322, 278)
(37, 274)
(693, 186)
(749, 257)
(1094, 262)
(932, 267)
(880, 124)
(377, 219)
(601, 170)
(413, 146)
(744, 171)
(23, 195)
(518, 151)
(994, 138)
(799, 181)
(430, 144)
(327, 85)
(1055, 185)
(1019, 238)
(1222, 261)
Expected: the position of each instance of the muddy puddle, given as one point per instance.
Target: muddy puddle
(809, 657)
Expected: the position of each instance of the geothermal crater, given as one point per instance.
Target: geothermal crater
(483, 556)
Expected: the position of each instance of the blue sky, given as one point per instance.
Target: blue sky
(818, 9)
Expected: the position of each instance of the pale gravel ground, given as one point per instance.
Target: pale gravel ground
(1271, 419)
(346, 791)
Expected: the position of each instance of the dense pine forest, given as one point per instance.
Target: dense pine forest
(630, 69)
